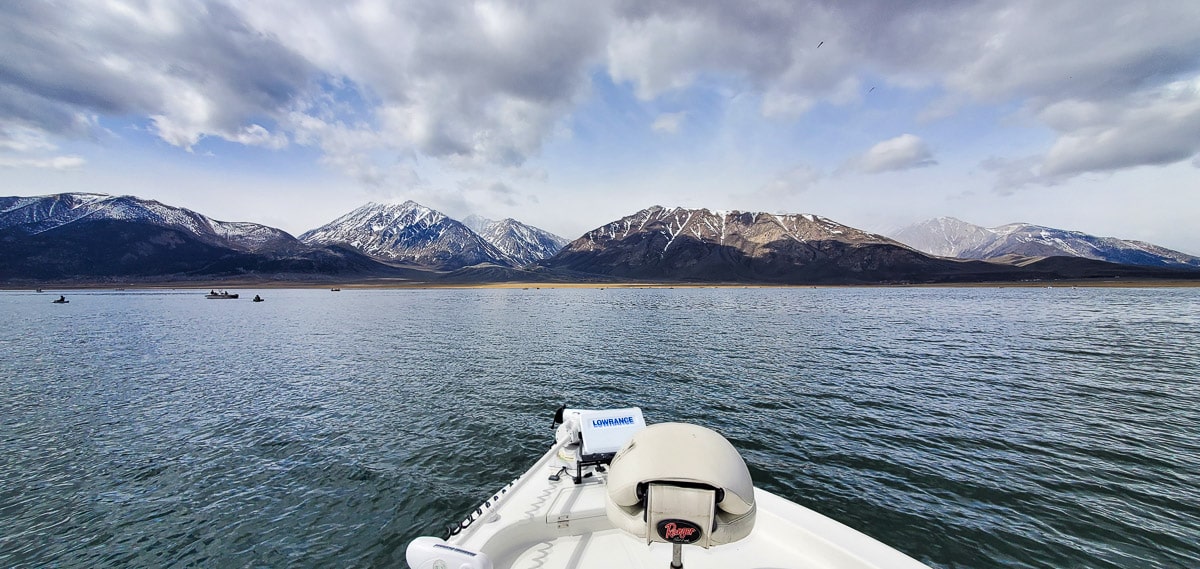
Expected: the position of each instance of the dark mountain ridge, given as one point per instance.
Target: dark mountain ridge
(83, 237)
(699, 245)
(87, 238)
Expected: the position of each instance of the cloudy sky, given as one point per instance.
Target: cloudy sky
(1077, 114)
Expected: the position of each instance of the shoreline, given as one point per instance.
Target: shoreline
(243, 285)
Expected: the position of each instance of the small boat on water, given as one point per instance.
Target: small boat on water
(614, 492)
(335, 290)
(60, 300)
(258, 298)
(223, 294)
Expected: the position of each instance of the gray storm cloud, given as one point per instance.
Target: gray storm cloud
(489, 82)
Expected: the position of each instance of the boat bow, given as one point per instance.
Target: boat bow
(672, 490)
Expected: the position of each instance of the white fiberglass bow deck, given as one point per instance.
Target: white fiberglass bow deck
(675, 495)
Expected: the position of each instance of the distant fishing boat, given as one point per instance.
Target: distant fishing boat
(335, 290)
(258, 298)
(60, 300)
(220, 295)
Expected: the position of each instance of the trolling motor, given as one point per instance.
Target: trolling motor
(558, 416)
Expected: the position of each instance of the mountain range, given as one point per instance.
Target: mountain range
(412, 234)
(89, 237)
(1019, 242)
(86, 238)
(699, 245)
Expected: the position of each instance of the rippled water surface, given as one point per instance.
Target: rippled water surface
(966, 427)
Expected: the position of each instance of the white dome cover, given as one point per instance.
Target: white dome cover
(688, 455)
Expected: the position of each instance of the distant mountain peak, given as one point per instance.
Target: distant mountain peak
(1026, 240)
(944, 236)
(408, 233)
(477, 223)
(522, 244)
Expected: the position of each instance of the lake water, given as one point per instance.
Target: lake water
(967, 427)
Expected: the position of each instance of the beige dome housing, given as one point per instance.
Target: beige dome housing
(681, 483)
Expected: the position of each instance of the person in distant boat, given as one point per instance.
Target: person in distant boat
(257, 298)
(62, 298)
(212, 292)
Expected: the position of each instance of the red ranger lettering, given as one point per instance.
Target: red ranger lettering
(673, 532)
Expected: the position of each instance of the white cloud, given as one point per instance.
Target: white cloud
(901, 153)
(668, 123)
(794, 181)
(377, 85)
(1108, 55)
(52, 163)
(1156, 128)
(193, 68)
(783, 104)
(25, 147)
(486, 82)
(24, 139)
(1011, 173)
(1153, 128)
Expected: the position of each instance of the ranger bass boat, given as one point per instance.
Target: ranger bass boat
(612, 492)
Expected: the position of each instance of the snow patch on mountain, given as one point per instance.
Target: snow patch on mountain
(732, 228)
(33, 215)
(522, 244)
(408, 233)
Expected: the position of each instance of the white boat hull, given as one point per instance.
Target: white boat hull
(536, 522)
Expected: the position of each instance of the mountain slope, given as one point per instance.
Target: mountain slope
(46, 213)
(954, 238)
(88, 236)
(701, 245)
(522, 244)
(408, 233)
(944, 236)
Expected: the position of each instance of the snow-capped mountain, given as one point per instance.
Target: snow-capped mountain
(84, 237)
(408, 233)
(743, 230)
(522, 244)
(699, 244)
(951, 237)
(944, 236)
(34, 215)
